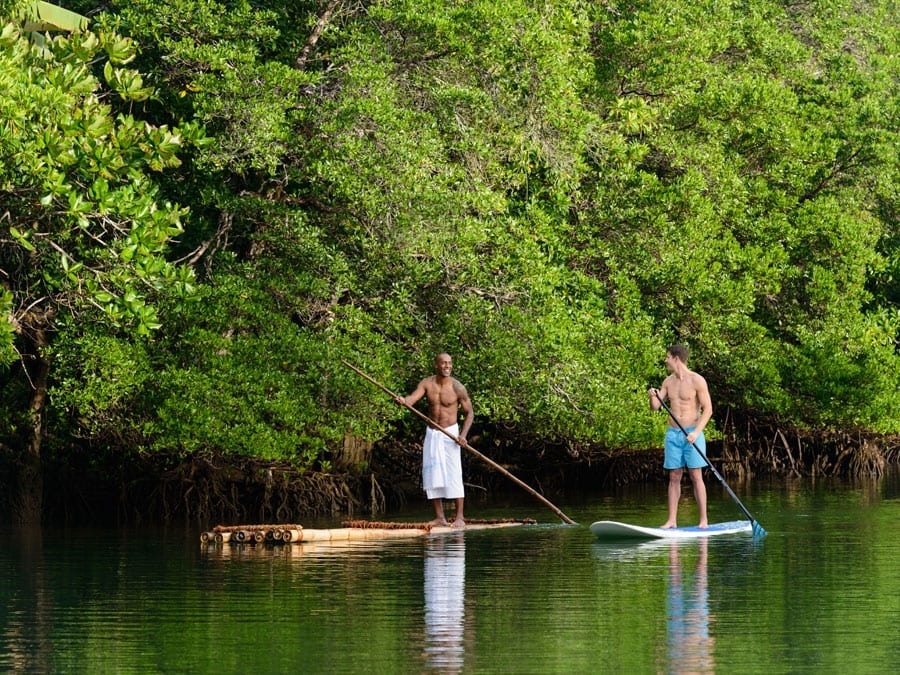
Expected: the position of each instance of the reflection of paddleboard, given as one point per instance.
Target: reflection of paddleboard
(609, 529)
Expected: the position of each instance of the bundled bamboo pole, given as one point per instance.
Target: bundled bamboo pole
(292, 535)
(351, 531)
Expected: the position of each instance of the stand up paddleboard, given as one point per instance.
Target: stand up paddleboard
(609, 529)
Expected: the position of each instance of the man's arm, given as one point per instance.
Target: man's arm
(705, 403)
(415, 396)
(657, 395)
(466, 404)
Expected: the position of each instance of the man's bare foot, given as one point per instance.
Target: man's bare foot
(439, 522)
(703, 526)
(459, 522)
(668, 526)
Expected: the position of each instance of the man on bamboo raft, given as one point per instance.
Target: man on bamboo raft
(441, 456)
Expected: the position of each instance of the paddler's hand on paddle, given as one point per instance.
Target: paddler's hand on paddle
(654, 398)
(400, 400)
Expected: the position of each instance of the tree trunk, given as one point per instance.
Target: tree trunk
(28, 497)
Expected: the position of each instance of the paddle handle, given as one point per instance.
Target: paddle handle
(468, 447)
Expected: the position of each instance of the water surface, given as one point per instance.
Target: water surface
(820, 593)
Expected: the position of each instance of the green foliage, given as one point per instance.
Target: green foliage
(7, 328)
(240, 376)
(84, 237)
(553, 192)
(98, 380)
(42, 17)
(86, 230)
(213, 58)
(556, 193)
(746, 217)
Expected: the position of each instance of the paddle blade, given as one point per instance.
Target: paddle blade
(758, 530)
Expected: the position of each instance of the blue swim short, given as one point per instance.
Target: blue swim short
(680, 453)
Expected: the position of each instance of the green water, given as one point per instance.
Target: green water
(820, 593)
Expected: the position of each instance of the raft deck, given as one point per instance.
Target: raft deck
(354, 530)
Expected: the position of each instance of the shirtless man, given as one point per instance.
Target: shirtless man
(441, 457)
(690, 403)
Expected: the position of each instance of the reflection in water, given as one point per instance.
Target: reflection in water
(445, 581)
(26, 617)
(689, 640)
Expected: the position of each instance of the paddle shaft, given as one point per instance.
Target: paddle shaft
(468, 447)
(708, 463)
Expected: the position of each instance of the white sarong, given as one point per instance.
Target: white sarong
(442, 464)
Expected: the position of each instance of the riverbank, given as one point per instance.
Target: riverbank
(207, 490)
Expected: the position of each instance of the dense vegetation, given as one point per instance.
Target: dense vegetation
(207, 205)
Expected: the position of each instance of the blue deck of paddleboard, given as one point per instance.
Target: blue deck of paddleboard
(610, 529)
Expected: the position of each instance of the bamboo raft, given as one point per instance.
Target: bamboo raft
(353, 530)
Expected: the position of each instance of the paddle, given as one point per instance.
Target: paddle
(758, 530)
(468, 447)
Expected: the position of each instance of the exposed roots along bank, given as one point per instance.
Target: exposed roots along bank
(837, 454)
(198, 490)
(259, 492)
(208, 491)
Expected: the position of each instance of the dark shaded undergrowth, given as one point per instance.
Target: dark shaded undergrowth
(206, 491)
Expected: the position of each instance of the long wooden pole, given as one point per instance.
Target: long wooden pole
(466, 445)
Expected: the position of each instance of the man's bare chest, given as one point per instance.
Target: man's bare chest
(682, 393)
(443, 395)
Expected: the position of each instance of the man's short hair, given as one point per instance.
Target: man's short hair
(680, 352)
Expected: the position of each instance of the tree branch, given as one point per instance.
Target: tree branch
(318, 29)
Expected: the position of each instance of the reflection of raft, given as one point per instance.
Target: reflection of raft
(351, 531)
